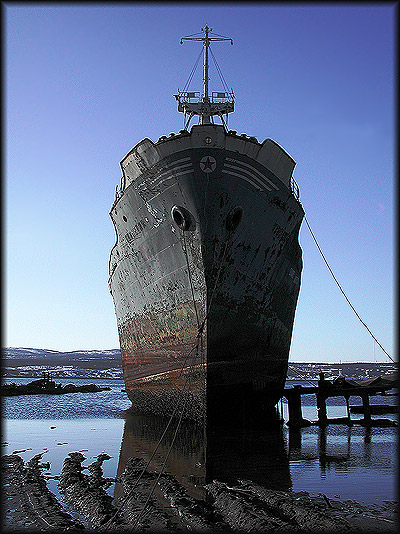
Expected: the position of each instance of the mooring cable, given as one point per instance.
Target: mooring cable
(199, 340)
(35, 510)
(342, 291)
(189, 376)
(125, 499)
(215, 285)
(143, 511)
(302, 377)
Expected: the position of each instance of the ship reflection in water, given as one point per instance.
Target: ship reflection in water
(257, 454)
(355, 462)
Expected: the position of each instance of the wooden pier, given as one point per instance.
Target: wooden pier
(340, 387)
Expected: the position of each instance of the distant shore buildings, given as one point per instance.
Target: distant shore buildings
(296, 370)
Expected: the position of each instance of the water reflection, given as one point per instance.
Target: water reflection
(186, 460)
(258, 454)
(339, 456)
(358, 463)
(360, 453)
(200, 455)
(311, 459)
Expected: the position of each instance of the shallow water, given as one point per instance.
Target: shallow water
(350, 463)
(107, 404)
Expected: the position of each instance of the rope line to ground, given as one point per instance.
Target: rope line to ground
(221, 261)
(183, 366)
(199, 341)
(124, 501)
(34, 508)
(143, 511)
(201, 327)
(342, 291)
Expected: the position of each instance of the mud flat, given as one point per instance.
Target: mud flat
(27, 503)
(156, 502)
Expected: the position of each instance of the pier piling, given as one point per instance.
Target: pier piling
(339, 387)
(294, 407)
(321, 410)
(366, 409)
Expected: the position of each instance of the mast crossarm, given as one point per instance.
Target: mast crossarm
(206, 30)
(209, 39)
(220, 103)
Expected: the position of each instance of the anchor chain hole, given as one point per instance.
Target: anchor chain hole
(182, 217)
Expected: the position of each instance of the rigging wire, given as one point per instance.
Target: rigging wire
(342, 291)
(193, 35)
(225, 85)
(192, 72)
(218, 35)
(218, 68)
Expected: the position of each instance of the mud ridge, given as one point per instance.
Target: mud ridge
(151, 501)
(87, 493)
(250, 507)
(27, 502)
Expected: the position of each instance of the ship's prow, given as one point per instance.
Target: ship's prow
(146, 154)
(205, 271)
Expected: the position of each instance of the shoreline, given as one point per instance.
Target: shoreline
(307, 460)
(28, 504)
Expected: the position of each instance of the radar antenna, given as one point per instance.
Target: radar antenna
(191, 103)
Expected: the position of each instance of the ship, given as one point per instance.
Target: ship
(206, 268)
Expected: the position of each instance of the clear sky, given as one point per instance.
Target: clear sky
(85, 82)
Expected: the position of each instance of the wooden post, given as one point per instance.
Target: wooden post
(321, 410)
(367, 409)
(348, 408)
(294, 408)
(294, 439)
(321, 401)
(322, 448)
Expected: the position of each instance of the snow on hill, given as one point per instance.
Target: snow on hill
(21, 360)
(29, 353)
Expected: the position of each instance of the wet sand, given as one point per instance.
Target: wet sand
(27, 503)
(155, 502)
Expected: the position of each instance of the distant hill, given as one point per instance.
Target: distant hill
(30, 362)
(83, 359)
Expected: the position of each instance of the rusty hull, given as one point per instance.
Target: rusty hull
(205, 272)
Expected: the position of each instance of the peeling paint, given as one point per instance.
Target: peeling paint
(243, 280)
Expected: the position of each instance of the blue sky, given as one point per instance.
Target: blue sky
(85, 82)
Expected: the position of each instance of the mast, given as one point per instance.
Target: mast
(206, 41)
(221, 103)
